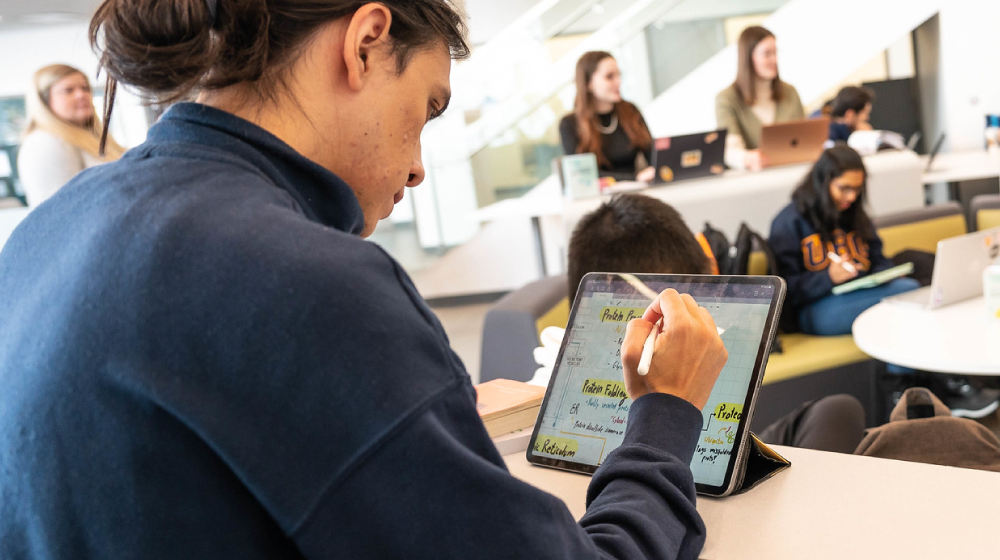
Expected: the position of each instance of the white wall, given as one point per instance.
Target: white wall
(28, 50)
(814, 54)
(489, 17)
(25, 51)
(969, 79)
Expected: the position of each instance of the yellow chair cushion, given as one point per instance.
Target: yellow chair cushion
(757, 264)
(987, 219)
(804, 354)
(558, 316)
(923, 235)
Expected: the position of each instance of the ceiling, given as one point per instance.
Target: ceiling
(25, 14)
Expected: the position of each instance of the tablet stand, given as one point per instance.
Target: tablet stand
(762, 463)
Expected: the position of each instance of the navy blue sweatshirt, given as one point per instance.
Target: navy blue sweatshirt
(803, 261)
(839, 132)
(199, 358)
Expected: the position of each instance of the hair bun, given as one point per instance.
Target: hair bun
(166, 48)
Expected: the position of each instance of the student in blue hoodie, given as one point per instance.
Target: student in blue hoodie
(827, 217)
(201, 357)
(825, 238)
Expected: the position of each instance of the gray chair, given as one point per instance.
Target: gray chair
(921, 228)
(984, 212)
(512, 326)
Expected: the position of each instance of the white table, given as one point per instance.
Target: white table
(960, 166)
(829, 505)
(727, 200)
(958, 338)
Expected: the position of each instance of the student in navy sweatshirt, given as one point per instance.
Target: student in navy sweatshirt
(200, 357)
(827, 217)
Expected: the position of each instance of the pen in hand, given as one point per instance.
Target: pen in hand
(647, 348)
(836, 258)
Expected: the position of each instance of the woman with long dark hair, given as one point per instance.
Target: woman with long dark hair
(758, 97)
(825, 238)
(604, 124)
(827, 217)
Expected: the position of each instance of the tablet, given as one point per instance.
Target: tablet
(585, 411)
(875, 279)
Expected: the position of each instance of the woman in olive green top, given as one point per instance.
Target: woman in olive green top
(757, 98)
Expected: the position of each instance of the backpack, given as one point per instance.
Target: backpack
(735, 258)
(748, 242)
(719, 245)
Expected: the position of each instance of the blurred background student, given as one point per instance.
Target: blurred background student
(757, 98)
(849, 112)
(604, 124)
(825, 238)
(63, 133)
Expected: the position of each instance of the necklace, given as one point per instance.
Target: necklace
(611, 127)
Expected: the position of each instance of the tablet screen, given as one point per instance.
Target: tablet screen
(585, 410)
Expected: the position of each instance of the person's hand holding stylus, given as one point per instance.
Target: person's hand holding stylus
(841, 270)
(687, 352)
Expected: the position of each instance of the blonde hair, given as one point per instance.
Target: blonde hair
(41, 117)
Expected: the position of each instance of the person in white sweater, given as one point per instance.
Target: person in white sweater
(63, 133)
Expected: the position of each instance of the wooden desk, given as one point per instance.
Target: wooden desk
(829, 505)
(958, 338)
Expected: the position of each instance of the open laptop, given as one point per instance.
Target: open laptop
(794, 141)
(686, 157)
(958, 270)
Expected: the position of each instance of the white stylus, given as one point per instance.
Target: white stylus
(647, 347)
(836, 258)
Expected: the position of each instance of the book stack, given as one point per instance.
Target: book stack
(507, 406)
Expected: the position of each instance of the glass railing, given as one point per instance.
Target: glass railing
(501, 135)
(665, 50)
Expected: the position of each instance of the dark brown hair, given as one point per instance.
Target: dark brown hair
(746, 74)
(586, 116)
(851, 97)
(633, 233)
(169, 48)
(813, 201)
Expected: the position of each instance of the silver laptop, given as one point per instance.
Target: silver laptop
(958, 270)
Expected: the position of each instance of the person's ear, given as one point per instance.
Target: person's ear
(368, 29)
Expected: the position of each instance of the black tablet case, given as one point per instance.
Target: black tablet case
(762, 463)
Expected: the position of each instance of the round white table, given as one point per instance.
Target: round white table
(958, 338)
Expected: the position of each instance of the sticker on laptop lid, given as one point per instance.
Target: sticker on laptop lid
(691, 158)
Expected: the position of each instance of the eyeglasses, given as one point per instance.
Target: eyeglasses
(846, 190)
